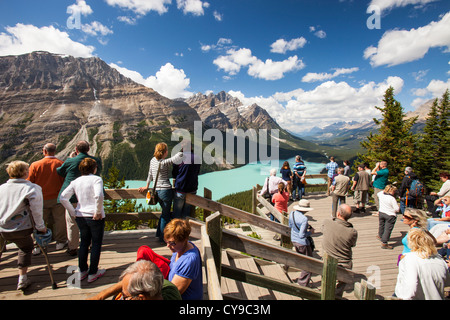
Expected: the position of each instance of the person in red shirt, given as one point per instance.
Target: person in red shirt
(43, 173)
(281, 198)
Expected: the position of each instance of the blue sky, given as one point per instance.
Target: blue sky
(307, 62)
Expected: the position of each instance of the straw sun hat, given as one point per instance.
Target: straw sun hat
(303, 205)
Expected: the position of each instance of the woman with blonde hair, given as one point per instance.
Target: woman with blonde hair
(159, 172)
(387, 214)
(414, 218)
(422, 274)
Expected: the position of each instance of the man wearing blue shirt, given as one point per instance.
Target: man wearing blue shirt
(331, 171)
(299, 171)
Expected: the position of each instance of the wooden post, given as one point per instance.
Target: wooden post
(214, 231)
(254, 193)
(329, 277)
(285, 240)
(364, 290)
(207, 194)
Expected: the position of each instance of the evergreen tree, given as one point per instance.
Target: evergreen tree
(394, 141)
(112, 181)
(433, 152)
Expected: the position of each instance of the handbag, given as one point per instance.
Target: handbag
(267, 195)
(152, 195)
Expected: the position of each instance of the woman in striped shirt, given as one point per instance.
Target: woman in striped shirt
(163, 185)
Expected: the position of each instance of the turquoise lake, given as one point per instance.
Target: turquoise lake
(226, 182)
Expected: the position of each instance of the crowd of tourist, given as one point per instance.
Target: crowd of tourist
(65, 200)
(423, 273)
(67, 197)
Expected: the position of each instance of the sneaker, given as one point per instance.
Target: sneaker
(23, 284)
(83, 275)
(99, 274)
(60, 245)
(36, 251)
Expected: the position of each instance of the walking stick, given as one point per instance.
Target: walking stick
(39, 238)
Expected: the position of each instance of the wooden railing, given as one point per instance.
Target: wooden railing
(214, 239)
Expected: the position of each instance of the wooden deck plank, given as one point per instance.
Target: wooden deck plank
(276, 271)
(229, 286)
(369, 260)
(118, 251)
(250, 292)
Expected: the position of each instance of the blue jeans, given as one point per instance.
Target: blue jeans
(91, 231)
(411, 204)
(298, 189)
(181, 209)
(165, 201)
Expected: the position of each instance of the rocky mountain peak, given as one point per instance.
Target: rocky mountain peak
(44, 70)
(46, 97)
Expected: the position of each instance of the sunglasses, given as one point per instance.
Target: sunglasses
(171, 243)
(408, 217)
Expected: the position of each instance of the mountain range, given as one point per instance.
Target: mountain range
(347, 135)
(46, 97)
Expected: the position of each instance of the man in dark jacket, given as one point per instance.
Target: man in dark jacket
(406, 200)
(186, 181)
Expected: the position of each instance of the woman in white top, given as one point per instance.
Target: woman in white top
(163, 185)
(387, 214)
(90, 217)
(422, 273)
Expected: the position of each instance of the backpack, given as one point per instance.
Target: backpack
(416, 189)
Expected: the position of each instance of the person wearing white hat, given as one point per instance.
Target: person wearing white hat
(300, 231)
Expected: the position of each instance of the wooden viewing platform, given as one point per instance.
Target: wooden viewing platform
(370, 262)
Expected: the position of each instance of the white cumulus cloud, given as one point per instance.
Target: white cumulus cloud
(141, 7)
(282, 46)
(94, 28)
(391, 4)
(234, 60)
(300, 110)
(313, 77)
(194, 7)
(274, 70)
(80, 7)
(23, 38)
(168, 81)
(402, 46)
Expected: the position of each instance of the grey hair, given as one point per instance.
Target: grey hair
(273, 172)
(146, 278)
